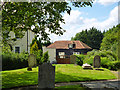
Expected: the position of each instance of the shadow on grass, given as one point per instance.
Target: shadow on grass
(60, 77)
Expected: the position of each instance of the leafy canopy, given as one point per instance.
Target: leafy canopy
(110, 40)
(91, 37)
(45, 17)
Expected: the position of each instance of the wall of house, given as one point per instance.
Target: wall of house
(51, 52)
(22, 42)
(70, 51)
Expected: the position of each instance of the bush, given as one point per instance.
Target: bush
(79, 59)
(114, 65)
(104, 61)
(12, 61)
(89, 60)
(39, 55)
(45, 58)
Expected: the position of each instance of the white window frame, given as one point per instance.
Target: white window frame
(61, 54)
(76, 53)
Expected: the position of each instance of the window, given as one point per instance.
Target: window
(62, 54)
(17, 49)
(70, 45)
(76, 52)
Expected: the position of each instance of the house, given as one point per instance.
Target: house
(61, 50)
(22, 44)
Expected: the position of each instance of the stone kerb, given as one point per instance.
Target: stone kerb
(96, 61)
(46, 76)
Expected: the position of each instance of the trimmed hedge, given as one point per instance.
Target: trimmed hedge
(11, 61)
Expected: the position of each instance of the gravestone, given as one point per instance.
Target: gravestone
(72, 59)
(46, 76)
(96, 62)
(31, 61)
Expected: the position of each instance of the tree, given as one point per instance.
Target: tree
(47, 43)
(91, 37)
(34, 48)
(44, 16)
(110, 40)
(39, 43)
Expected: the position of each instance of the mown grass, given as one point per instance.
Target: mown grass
(63, 73)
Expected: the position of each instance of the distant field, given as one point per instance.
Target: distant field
(64, 73)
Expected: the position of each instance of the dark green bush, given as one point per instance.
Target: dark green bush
(39, 55)
(45, 58)
(12, 61)
(113, 65)
(79, 59)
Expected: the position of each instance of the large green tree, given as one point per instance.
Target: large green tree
(44, 16)
(110, 40)
(91, 37)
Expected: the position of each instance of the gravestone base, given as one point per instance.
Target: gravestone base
(29, 69)
(99, 69)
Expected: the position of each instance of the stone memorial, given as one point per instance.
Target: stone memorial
(31, 61)
(46, 76)
(72, 59)
(86, 66)
(96, 62)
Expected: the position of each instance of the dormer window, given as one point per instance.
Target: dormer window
(70, 45)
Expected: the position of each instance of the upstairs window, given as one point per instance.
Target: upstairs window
(70, 45)
(17, 49)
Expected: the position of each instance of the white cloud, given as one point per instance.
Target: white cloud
(76, 23)
(106, 2)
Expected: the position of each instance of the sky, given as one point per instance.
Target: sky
(102, 15)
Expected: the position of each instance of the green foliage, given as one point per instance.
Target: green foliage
(91, 37)
(108, 59)
(21, 16)
(80, 59)
(89, 60)
(12, 61)
(34, 48)
(39, 55)
(45, 57)
(114, 65)
(110, 40)
(39, 43)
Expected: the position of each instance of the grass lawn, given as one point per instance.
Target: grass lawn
(63, 73)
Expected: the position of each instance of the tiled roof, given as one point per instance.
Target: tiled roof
(64, 45)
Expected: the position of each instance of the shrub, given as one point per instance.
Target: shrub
(12, 61)
(104, 61)
(45, 58)
(79, 59)
(89, 60)
(39, 55)
(114, 65)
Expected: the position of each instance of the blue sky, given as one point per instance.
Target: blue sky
(103, 15)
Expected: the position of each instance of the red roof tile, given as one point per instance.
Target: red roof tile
(64, 45)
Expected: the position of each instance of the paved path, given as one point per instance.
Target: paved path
(111, 84)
